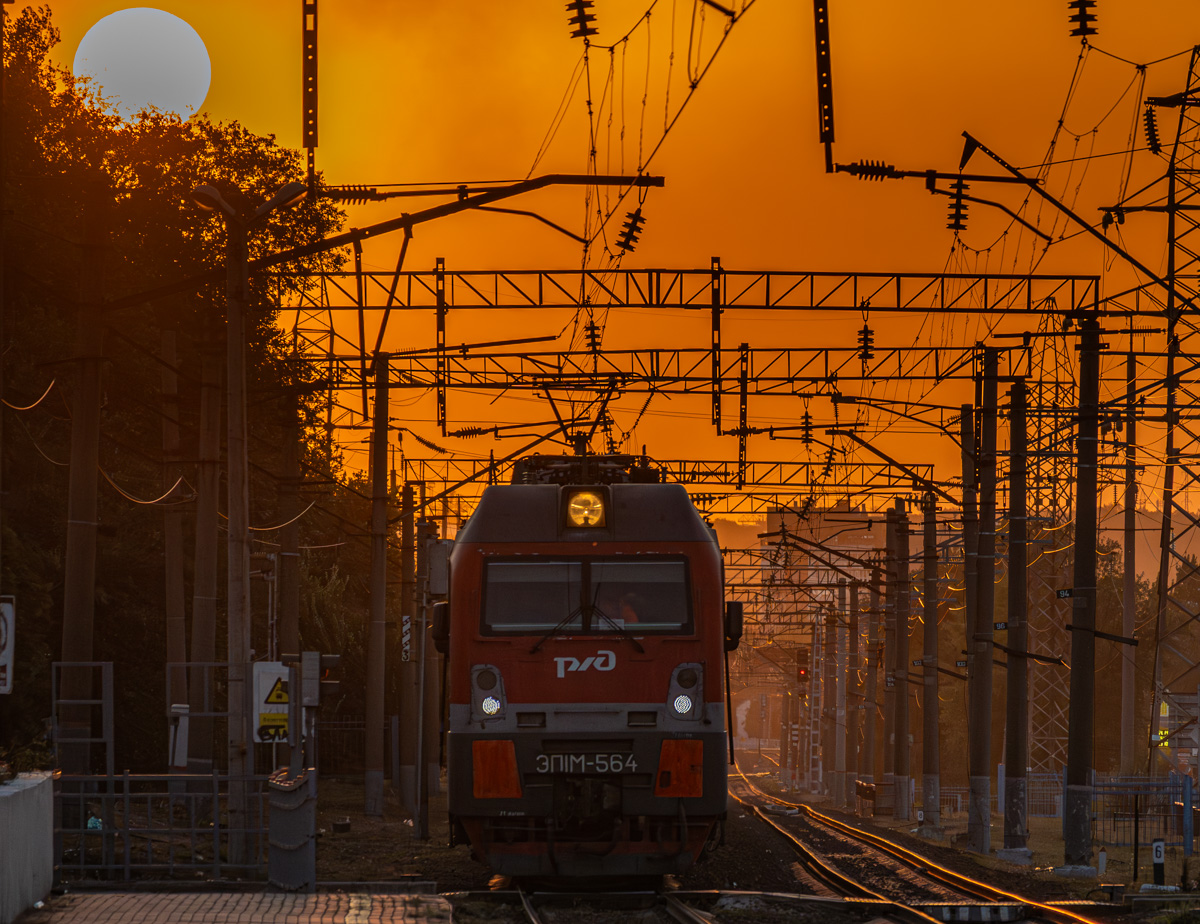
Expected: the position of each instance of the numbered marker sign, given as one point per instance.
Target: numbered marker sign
(271, 702)
(8, 632)
(1159, 851)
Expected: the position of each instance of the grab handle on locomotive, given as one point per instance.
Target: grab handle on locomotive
(733, 624)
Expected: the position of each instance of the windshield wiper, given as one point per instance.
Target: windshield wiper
(545, 638)
(624, 633)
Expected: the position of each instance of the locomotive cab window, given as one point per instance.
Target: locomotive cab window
(587, 596)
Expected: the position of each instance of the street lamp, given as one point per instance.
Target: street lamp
(237, 265)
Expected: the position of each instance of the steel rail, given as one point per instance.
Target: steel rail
(838, 881)
(923, 864)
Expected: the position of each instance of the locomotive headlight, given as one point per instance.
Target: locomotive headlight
(488, 698)
(685, 694)
(585, 508)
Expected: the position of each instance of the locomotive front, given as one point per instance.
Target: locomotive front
(586, 634)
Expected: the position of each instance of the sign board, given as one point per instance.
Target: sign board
(8, 629)
(1065, 593)
(917, 662)
(270, 702)
(1158, 849)
(1000, 625)
(960, 663)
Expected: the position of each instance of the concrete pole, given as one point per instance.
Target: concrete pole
(869, 768)
(931, 774)
(288, 580)
(1077, 813)
(979, 687)
(854, 706)
(1129, 603)
(903, 805)
(377, 633)
(79, 564)
(839, 742)
(889, 655)
(970, 530)
(1016, 751)
(829, 726)
(426, 534)
(238, 746)
(204, 581)
(785, 739)
(409, 673)
(174, 602)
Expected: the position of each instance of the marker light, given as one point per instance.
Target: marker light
(585, 508)
(680, 769)
(494, 770)
(491, 705)
(683, 704)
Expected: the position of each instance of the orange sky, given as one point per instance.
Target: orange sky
(423, 91)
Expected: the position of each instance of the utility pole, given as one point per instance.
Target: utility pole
(1129, 603)
(931, 782)
(855, 705)
(238, 547)
(204, 581)
(409, 696)
(79, 584)
(174, 603)
(839, 744)
(426, 534)
(377, 632)
(785, 737)
(289, 535)
(1077, 810)
(902, 807)
(868, 765)
(829, 728)
(889, 658)
(979, 686)
(1016, 752)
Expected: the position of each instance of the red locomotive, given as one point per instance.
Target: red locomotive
(586, 636)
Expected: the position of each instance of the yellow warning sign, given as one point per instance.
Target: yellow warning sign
(279, 694)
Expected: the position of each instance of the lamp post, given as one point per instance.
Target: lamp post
(237, 259)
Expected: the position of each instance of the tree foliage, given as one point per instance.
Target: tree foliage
(95, 210)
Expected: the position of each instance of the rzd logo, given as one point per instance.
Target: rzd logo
(601, 661)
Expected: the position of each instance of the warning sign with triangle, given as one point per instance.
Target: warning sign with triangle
(279, 694)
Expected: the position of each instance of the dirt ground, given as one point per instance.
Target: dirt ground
(387, 849)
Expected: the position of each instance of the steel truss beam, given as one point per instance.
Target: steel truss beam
(944, 293)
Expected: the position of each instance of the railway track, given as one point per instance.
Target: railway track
(521, 906)
(533, 907)
(853, 862)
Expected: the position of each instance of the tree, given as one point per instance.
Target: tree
(96, 209)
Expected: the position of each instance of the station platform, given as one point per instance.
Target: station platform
(239, 908)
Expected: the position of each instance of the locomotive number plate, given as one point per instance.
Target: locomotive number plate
(586, 763)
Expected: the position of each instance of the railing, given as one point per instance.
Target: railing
(1044, 794)
(135, 826)
(1144, 809)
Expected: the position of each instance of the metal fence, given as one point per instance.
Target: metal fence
(1044, 794)
(1141, 809)
(341, 745)
(136, 826)
(954, 800)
